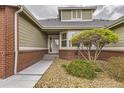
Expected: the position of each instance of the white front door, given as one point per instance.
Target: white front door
(53, 43)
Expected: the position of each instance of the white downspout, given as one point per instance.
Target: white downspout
(16, 40)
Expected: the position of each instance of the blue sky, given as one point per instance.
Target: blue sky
(110, 12)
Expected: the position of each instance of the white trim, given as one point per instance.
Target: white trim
(67, 38)
(105, 48)
(68, 27)
(30, 15)
(16, 39)
(49, 41)
(114, 24)
(32, 48)
(76, 20)
(61, 39)
(114, 48)
(48, 44)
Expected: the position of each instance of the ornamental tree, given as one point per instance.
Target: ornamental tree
(94, 39)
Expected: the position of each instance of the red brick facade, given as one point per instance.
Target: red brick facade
(72, 54)
(27, 58)
(7, 54)
(6, 41)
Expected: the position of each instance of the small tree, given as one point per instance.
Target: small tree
(94, 39)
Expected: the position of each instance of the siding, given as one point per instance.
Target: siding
(120, 30)
(30, 35)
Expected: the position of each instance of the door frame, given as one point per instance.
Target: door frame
(51, 36)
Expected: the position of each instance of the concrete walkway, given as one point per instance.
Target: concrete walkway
(28, 77)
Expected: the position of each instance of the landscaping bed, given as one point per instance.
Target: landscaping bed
(57, 77)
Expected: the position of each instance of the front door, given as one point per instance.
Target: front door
(53, 43)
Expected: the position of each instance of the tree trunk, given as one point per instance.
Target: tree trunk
(83, 56)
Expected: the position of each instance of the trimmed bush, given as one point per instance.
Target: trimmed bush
(81, 68)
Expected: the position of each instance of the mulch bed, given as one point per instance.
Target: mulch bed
(57, 77)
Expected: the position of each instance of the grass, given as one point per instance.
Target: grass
(57, 77)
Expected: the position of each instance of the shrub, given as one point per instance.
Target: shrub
(81, 68)
(115, 68)
(64, 65)
(97, 69)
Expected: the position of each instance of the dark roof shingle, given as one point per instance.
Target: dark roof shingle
(57, 23)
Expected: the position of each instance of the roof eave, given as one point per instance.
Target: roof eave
(116, 23)
(28, 13)
(69, 27)
(66, 8)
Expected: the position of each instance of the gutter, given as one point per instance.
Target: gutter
(15, 38)
(115, 24)
(80, 28)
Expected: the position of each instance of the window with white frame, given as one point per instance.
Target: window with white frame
(64, 39)
(76, 15)
(71, 34)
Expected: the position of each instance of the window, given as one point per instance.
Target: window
(64, 39)
(66, 15)
(76, 14)
(71, 34)
(87, 15)
(74, 45)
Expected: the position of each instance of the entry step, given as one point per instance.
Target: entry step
(50, 56)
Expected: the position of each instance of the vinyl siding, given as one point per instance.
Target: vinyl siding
(120, 30)
(30, 35)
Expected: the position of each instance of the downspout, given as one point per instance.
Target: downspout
(16, 38)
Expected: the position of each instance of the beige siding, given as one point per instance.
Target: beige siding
(120, 31)
(87, 14)
(30, 35)
(66, 15)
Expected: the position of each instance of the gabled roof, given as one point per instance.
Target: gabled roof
(57, 24)
(28, 13)
(31, 16)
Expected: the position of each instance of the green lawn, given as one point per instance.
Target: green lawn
(57, 77)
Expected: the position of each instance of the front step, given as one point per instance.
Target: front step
(50, 57)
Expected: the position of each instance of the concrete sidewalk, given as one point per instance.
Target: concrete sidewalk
(28, 77)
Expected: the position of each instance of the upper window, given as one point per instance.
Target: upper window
(86, 14)
(66, 15)
(76, 15)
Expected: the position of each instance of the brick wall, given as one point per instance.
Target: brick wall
(6, 41)
(72, 54)
(27, 58)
